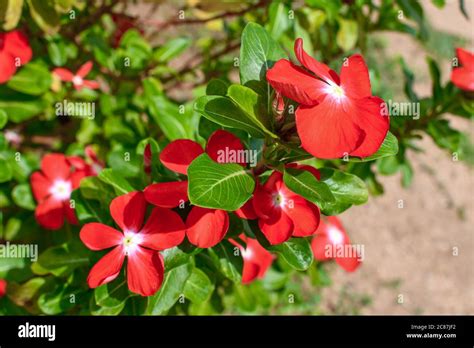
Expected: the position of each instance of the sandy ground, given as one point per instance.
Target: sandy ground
(410, 252)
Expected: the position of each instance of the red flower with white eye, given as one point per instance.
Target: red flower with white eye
(92, 166)
(463, 76)
(205, 227)
(337, 115)
(282, 213)
(332, 242)
(139, 242)
(3, 287)
(15, 51)
(77, 79)
(257, 259)
(52, 188)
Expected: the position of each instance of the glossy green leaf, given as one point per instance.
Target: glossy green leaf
(296, 252)
(23, 197)
(115, 179)
(170, 291)
(198, 287)
(306, 185)
(218, 186)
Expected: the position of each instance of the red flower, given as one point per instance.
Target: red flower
(77, 79)
(205, 227)
(331, 242)
(463, 77)
(52, 187)
(282, 213)
(123, 23)
(92, 166)
(337, 115)
(139, 242)
(257, 259)
(14, 52)
(3, 287)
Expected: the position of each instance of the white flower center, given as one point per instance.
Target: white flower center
(131, 241)
(77, 80)
(336, 92)
(247, 253)
(61, 190)
(335, 236)
(279, 199)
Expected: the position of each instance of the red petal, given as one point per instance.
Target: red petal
(295, 83)
(40, 185)
(320, 69)
(370, 119)
(164, 229)
(304, 214)
(85, 69)
(7, 66)
(167, 194)
(247, 211)
(145, 271)
(128, 211)
(318, 245)
(107, 268)
(90, 84)
(179, 154)
(64, 74)
(466, 58)
(97, 236)
(3, 288)
(16, 44)
(55, 166)
(355, 79)
(250, 272)
(349, 264)
(327, 130)
(77, 176)
(278, 228)
(49, 213)
(70, 213)
(206, 227)
(463, 78)
(218, 145)
(258, 255)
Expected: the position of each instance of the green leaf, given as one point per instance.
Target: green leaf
(59, 300)
(250, 102)
(347, 34)
(174, 257)
(217, 87)
(409, 81)
(113, 178)
(68, 255)
(198, 287)
(170, 291)
(5, 171)
(258, 53)
(346, 188)
(22, 108)
(23, 197)
(228, 262)
(45, 15)
(171, 49)
(112, 295)
(244, 298)
(435, 74)
(3, 118)
(225, 112)
(218, 186)
(279, 19)
(306, 185)
(10, 13)
(174, 121)
(389, 147)
(296, 252)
